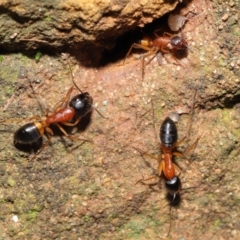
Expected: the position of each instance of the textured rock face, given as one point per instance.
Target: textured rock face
(32, 24)
(87, 190)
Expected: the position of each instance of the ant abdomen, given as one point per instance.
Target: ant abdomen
(28, 133)
(168, 132)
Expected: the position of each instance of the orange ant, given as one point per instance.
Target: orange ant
(167, 43)
(79, 106)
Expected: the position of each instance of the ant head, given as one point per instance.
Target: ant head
(179, 43)
(82, 103)
(173, 186)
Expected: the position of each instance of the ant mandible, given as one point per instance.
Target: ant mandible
(167, 43)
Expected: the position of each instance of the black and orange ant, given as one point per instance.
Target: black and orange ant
(79, 106)
(166, 43)
(168, 136)
(166, 167)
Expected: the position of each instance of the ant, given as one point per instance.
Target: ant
(167, 43)
(79, 106)
(168, 135)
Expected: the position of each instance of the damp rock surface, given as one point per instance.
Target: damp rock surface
(85, 187)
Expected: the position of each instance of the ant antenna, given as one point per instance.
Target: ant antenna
(74, 83)
(182, 36)
(40, 100)
(188, 47)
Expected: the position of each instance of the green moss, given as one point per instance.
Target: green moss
(87, 218)
(22, 57)
(8, 74)
(217, 223)
(26, 204)
(136, 228)
(31, 215)
(110, 217)
(48, 19)
(73, 181)
(1, 58)
(227, 119)
(222, 62)
(91, 190)
(11, 182)
(10, 90)
(226, 116)
(38, 55)
(158, 113)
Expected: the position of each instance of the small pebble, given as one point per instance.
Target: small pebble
(15, 218)
(225, 17)
(220, 27)
(174, 116)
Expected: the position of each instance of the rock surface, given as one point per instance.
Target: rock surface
(87, 190)
(34, 24)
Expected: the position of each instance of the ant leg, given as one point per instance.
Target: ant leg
(67, 135)
(71, 124)
(177, 62)
(62, 130)
(178, 143)
(175, 59)
(189, 126)
(152, 51)
(166, 34)
(160, 167)
(192, 146)
(21, 119)
(177, 169)
(147, 154)
(48, 130)
(165, 50)
(159, 58)
(179, 154)
(146, 179)
(136, 45)
(65, 100)
(40, 100)
(38, 118)
(189, 149)
(170, 216)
